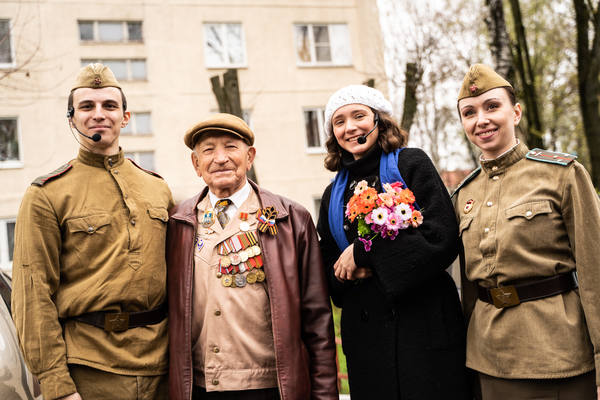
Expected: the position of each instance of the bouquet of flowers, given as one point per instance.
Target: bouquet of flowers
(383, 214)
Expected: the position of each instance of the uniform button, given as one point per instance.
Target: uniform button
(215, 381)
(218, 312)
(125, 196)
(489, 204)
(495, 168)
(528, 214)
(495, 177)
(486, 230)
(132, 221)
(364, 315)
(216, 350)
(90, 229)
(116, 172)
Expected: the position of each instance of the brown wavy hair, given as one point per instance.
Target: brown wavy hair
(391, 137)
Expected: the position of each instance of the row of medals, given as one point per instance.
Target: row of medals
(238, 279)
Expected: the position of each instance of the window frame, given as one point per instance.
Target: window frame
(13, 61)
(86, 61)
(11, 164)
(136, 157)
(5, 262)
(133, 124)
(322, 134)
(313, 48)
(223, 25)
(124, 29)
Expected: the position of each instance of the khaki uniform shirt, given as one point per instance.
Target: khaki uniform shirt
(232, 336)
(531, 220)
(91, 239)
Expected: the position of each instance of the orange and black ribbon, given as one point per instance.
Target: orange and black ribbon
(266, 218)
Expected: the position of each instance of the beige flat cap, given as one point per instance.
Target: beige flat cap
(219, 123)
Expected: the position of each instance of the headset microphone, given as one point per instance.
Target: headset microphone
(363, 139)
(95, 137)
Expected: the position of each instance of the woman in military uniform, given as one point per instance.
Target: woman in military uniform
(402, 327)
(529, 223)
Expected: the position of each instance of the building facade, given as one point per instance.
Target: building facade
(290, 56)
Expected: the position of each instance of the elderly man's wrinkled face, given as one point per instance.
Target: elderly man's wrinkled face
(222, 161)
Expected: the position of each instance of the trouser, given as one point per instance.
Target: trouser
(94, 384)
(580, 387)
(199, 393)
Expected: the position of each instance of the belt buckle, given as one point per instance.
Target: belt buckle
(116, 322)
(505, 296)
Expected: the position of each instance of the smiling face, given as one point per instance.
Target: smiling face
(489, 121)
(99, 111)
(222, 161)
(349, 123)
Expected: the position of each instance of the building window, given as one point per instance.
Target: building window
(124, 69)
(139, 124)
(322, 44)
(224, 46)
(7, 243)
(6, 49)
(110, 31)
(10, 148)
(144, 159)
(317, 207)
(315, 133)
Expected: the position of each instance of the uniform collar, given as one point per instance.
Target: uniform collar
(238, 198)
(100, 160)
(505, 160)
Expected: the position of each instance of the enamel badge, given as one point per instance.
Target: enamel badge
(468, 206)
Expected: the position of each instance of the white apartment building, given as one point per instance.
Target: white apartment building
(290, 56)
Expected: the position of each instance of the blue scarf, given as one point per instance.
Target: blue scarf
(388, 173)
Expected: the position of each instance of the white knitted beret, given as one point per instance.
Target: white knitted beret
(355, 94)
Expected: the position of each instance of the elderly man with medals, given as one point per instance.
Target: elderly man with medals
(249, 314)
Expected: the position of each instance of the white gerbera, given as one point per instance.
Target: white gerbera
(404, 211)
(379, 215)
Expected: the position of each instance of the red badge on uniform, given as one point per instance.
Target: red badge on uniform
(473, 88)
(468, 206)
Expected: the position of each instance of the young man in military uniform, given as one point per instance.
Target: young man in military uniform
(89, 263)
(248, 301)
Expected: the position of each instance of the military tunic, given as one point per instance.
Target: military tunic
(90, 239)
(523, 220)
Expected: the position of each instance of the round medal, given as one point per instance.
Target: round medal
(260, 275)
(256, 250)
(244, 226)
(235, 259)
(243, 255)
(240, 280)
(226, 280)
(225, 262)
(219, 274)
(251, 277)
(233, 283)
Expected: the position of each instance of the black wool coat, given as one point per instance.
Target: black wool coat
(403, 331)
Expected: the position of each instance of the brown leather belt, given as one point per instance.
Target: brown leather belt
(118, 322)
(509, 296)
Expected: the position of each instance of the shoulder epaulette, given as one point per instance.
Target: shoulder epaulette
(146, 170)
(552, 157)
(468, 179)
(42, 180)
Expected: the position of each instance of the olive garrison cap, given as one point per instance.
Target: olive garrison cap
(480, 79)
(95, 76)
(219, 123)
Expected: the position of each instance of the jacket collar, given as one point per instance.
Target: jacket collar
(100, 160)
(186, 211)
(505, 160)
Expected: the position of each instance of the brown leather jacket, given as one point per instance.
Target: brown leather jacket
(300, 308)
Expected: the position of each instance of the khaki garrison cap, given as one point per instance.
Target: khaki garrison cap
(480, 79)
(95, 76)
(219, 123)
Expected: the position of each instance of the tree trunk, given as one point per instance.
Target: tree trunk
(500, 44)
(523, 64)
(588, 72)
(228, 98)
(413, 79)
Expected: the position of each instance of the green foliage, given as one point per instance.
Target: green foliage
(363, 228)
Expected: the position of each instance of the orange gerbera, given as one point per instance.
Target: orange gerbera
(368, 196)
(406, 196)
(416, 218)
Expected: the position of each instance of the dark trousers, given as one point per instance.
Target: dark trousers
(580, 387)
(199, 393)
